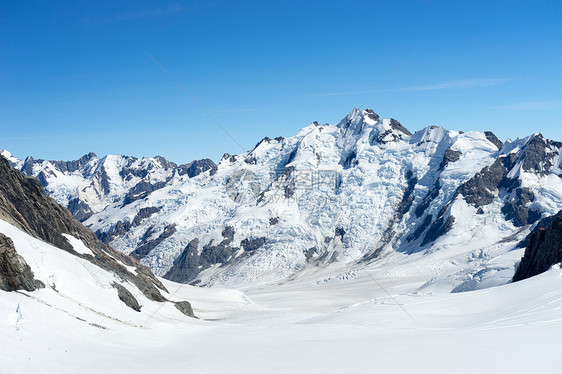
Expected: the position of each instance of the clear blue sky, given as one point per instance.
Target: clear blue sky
(77, 76)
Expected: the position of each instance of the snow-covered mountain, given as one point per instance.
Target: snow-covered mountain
(454, 206)
(47, 256)
(90, 184)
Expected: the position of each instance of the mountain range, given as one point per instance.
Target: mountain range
(363, 191)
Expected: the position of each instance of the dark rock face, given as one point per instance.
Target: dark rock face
(196, 167)
(371, 114)
(104, 180)
(79, 209)
(185, 267)
(350, 160)
(310, 252)
(385, 137)
(291, 156)
(126, 297)
(228, 233)
(543, 251)
(264, 140)
(145, 213)
(408, 197)
(286, 179)
(543, 223)
(478, 191)
(535, 156)
(439, 228)
(431, 195)
(121, 227)
(252, 244)
(190, 262)
(492, 138)
(15, 273)
(27, 167)
(517, 209)
(42, 178)
(250, 160)
(72, 166)
(143, 186)
(130, 198)
(398, 126)
(216, 254)
(142, 190)
(149, 245)
(420, 229)
(339, 231)
(449, 157)
(273, 221)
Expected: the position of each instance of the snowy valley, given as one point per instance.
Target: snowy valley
(350, 247)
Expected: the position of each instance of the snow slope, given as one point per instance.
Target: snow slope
(75, 288)
(305, 326)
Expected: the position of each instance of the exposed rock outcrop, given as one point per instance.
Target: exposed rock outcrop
(517, 209)
(15, 273)
(185, 308)
(252, 244)
(398, 126)
(479, 190)
(492, 138)
(127, 297)
(536, 157)
(186, 266)
(148, 245)
(190, 262)
(196, 167)
(79, 209)
(543, 251)
(449, 157)
(121, 227)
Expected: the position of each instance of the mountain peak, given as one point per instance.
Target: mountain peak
(369, 113)
(381, 131)
(357, 115)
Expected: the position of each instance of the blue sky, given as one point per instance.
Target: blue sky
(79, 77)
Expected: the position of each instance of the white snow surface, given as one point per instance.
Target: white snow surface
(78, 245)
(329, 320)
